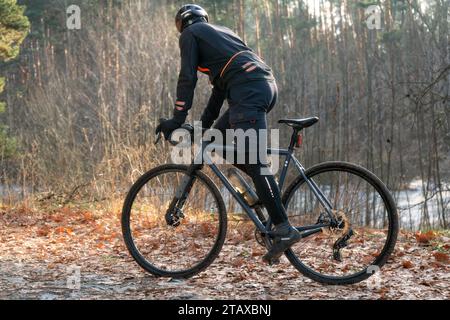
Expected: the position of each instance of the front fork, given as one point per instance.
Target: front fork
(174, 213)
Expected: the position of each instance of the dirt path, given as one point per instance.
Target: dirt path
(42, 254)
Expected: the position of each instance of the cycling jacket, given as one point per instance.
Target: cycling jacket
(224, 57)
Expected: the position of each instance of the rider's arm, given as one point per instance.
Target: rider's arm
(187, 78)
(212, 110)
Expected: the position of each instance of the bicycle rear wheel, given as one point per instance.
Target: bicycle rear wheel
(181, 248)
(362, 203)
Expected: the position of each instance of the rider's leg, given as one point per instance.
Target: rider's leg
(250, 113)
(269, 194)
(265, 185)
(256, 167)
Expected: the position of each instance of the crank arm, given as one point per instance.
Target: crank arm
(304, 231)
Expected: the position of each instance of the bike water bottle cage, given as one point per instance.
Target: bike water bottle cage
(242, 187)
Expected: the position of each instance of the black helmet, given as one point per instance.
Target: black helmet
(188, 14)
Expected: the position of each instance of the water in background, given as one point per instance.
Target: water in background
(412, 203)
(11, 193)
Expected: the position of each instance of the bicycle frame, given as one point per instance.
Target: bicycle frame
(203, 157)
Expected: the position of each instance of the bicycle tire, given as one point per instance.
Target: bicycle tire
(127, 234)
(388, 248)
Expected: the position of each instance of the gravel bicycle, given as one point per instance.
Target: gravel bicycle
(174, 219)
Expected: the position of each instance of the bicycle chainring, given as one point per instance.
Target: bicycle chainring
(260, 238)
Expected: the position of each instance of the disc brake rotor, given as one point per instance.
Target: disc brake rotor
(174, 218)
(342, 226)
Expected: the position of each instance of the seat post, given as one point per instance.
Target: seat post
(293, 139)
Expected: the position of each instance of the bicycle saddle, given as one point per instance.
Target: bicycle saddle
(300, 124)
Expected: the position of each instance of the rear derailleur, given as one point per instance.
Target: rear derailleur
(341, 243)
(341, 227)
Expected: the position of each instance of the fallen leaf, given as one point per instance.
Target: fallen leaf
(237, 262)
(88, 216)
(441, 257)
(257, 253)
(43, 232)
(400, 254)
(57, 218)
(407, 264)
(61, 230)
(425, 238)
(375, 254)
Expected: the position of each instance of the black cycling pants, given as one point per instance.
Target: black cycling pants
(249, 103)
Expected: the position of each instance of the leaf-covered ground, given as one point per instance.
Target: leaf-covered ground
(42, 250)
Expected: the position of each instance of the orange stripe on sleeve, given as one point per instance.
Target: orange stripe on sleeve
(204, 70)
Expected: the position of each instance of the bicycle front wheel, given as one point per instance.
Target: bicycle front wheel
(191, 239)
(367, 232)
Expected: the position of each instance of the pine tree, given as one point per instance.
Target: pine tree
(14, 27)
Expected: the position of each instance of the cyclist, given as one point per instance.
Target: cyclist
(240, 76)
